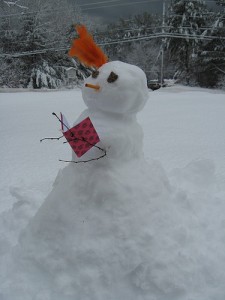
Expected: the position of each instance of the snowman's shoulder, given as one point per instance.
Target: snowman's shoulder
(82, 116)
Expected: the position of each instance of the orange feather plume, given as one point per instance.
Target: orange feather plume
(85, 49)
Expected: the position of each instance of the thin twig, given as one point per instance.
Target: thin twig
(83, 161)
(52, 138)
(54, 114)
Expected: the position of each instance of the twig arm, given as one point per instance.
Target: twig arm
(51, 138)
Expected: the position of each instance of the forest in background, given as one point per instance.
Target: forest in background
(187, 45)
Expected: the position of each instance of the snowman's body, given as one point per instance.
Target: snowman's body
(91, 239)
(120, 135)
(113, 109)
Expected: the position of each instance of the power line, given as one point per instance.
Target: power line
(94, 3)
(129, 30)
(121, 4)
(161, 35)
(36, 12)
(85, 8)
(125, 40)
(118, 29)
(93, 8)
(194, 16)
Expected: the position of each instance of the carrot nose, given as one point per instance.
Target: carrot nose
(92, 86)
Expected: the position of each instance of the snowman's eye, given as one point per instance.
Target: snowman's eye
(95, 74)
(112, 77)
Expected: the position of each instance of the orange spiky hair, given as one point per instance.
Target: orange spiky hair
(85, 49)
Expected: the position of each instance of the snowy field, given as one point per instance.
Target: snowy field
(184, 131)
(181, 125)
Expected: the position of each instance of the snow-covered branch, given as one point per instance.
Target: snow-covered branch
(219, 69)
(14, 3)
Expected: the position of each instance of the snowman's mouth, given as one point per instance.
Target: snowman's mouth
(92, 86)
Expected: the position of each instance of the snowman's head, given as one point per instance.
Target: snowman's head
(115, 86)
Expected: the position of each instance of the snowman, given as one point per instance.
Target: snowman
(114, 93)
(91, 238)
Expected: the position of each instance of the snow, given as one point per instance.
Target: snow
(162, 237)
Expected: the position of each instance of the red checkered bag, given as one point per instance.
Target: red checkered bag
(82, 137)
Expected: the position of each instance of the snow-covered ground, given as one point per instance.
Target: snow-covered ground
(184, 130)
(180, 124)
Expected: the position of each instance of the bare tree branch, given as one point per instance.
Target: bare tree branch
(14, 3)
(221, 70)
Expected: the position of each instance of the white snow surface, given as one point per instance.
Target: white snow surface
(126, 226)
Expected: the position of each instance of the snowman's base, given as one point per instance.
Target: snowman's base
(115, 233)
(94, 227)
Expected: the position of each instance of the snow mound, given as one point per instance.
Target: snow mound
(127, 235)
